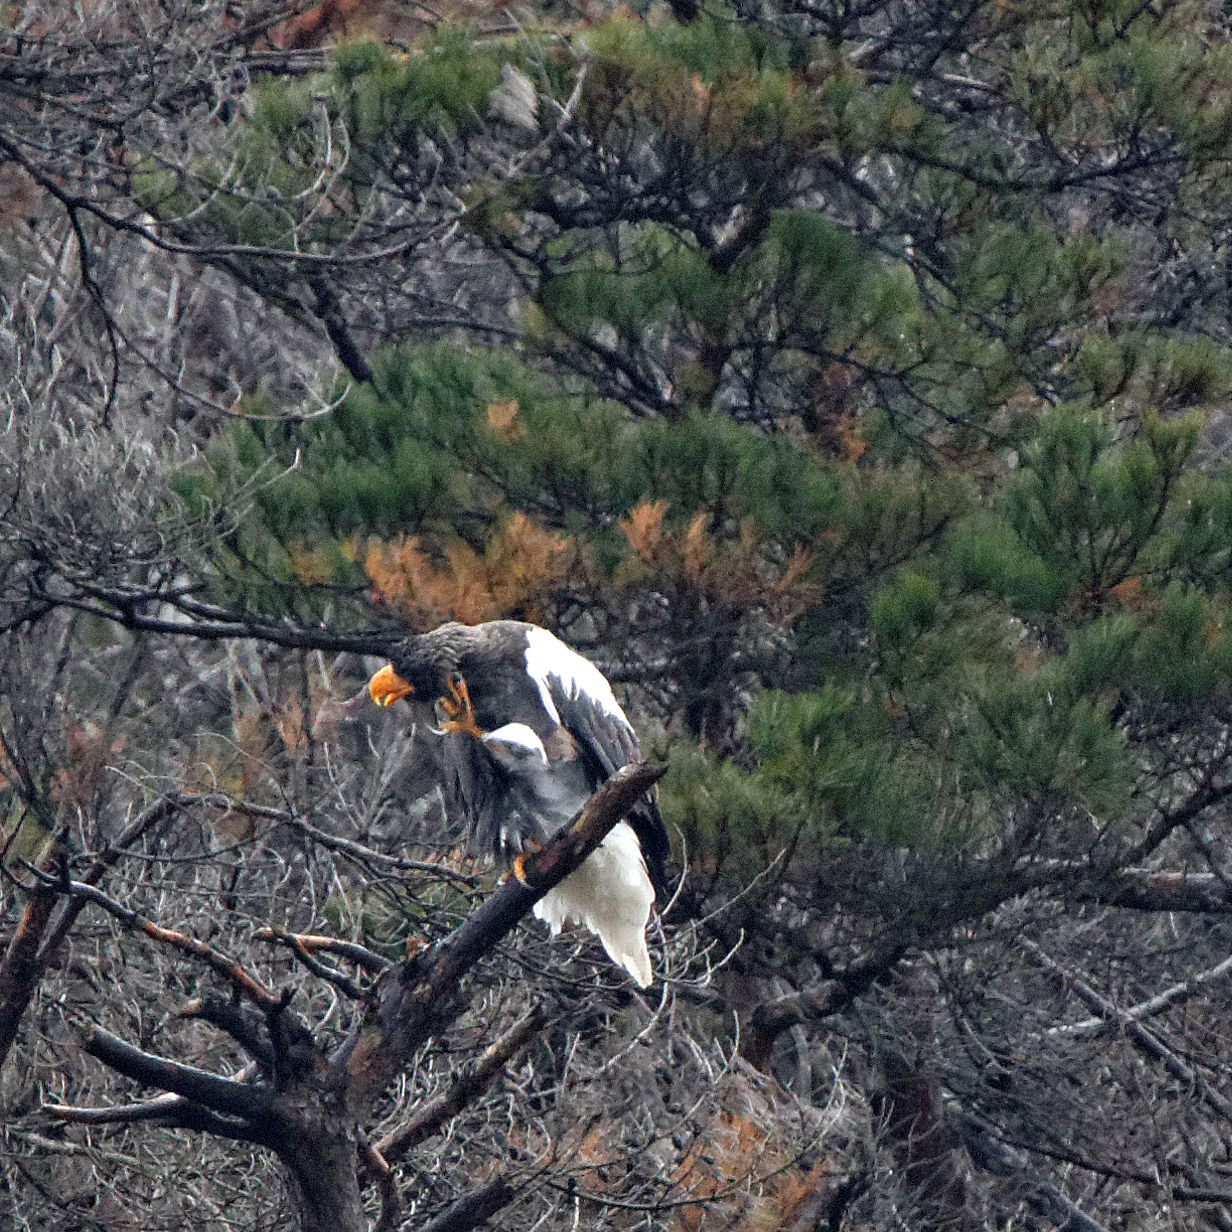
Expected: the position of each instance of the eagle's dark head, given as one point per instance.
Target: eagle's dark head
(421, 665)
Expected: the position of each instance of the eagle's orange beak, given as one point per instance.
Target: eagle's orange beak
(387, 686)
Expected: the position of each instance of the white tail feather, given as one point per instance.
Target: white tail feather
(611, 895)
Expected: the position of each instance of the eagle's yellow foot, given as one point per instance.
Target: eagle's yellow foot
(529, 847)
(458, 709)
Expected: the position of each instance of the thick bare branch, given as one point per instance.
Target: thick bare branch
(171, 1111)
(812, 1004)
(119, 1114)
(222, 1095)
(473, 1209)
(421, 995)
(241, 1024)
(21, 967)
(157, 1109)
(210, 624)
(1142, 889)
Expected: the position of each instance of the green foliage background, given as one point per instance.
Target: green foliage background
(833, 321)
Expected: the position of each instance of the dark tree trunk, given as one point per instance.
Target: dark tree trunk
(21, 966)
(322, 1167)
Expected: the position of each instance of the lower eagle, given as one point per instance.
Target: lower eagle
(531, 729)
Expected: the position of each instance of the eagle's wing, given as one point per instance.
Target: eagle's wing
(577, 696)
(500, 818)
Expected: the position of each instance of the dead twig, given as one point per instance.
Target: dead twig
(430, 1117)
(1145, 1041)
(318, 943)
(343, 983)
(246, 985)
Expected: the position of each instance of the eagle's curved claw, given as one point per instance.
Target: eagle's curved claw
(458, 709)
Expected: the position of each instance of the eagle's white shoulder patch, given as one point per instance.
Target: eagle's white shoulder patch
(549, 660)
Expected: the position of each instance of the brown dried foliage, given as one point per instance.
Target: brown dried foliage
(735, 573)
(738, 1169)
(514, 576)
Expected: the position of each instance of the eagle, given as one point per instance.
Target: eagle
(531, 728)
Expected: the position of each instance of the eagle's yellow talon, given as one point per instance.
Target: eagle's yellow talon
(519, 870)
(457, 706)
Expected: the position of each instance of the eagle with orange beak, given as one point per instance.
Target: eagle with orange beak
(531, 729)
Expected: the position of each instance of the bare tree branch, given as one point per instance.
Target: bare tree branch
(419, 996)
(378, 1168)
(155, 1109)
(223, 1095)
(429, 1118)
(120, 1114)
(1142, 1039)
(1175, 995)
(241, 1024)
(316, 943)
(812, 1004)
(309, 1116)
(169, 1110)
(38, 936)
(21, 968)
(1142, 889)
(109, 856)
(473, 1209)
(995, 1156)
(245, 984)
(342, 982)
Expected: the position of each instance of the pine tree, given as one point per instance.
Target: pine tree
(850, 382)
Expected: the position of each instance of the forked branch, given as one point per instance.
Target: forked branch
(309, 1113)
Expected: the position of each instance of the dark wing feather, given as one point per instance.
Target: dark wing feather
(612, 746)
(585, 706)
(500, 815)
